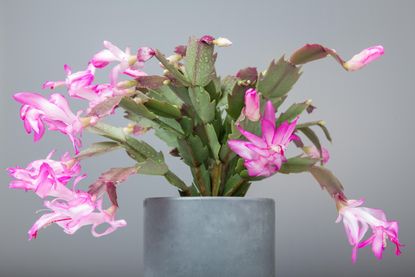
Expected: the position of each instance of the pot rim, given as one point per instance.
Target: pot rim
(205, 198)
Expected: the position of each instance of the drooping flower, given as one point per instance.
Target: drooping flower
(314, 153)
(55, 112)
(72, 214)
(251, 109)
(363, 58)
(264, 155)
(311, 52)
(357, 220)
(42, 176)
(128, 64)
(75, 82)
(72, 209)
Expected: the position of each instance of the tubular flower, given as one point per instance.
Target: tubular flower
(363, 58)
(41, 176)
(55, 112)
(75, 82)
(128, 64)
(264, 155)
(357, 221)
(78, 211)
(314, 153)
(251, 109)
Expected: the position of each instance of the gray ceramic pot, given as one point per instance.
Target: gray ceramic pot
(209, 236)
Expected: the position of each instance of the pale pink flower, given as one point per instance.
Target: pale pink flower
(72, 214)
(264, 155)
(357, 220)
(80, 86)
(75, 82)
(128, 64)
(43, 176)
(145, 53)
(314, 153)
(252, 105)
(363, 58)
(55, 112)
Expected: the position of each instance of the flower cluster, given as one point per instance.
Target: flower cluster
(73, 208)
(357, 220)
(263, 155)
(55, 112)
(70, 208)
(226, 129)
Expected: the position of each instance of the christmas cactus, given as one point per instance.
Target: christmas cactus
(227, 130)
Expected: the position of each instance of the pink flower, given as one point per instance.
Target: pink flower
(43, 176)
(80, 86)
(55, 112)
(145, 53)
(314, 153)
(357, 221)
(363, 58)
(72, 214)
(128, 64)
(264, 155)
(251, 110)
(75, 82)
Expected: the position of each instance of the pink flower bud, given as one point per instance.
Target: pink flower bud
(363, 58)
(251, 110)
(313, 152)
(207, 39)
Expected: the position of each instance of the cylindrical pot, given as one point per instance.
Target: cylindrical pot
(209, 236)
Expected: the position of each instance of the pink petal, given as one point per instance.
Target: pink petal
(363, 58)
(253, 138)
(269, 112)
(103, 58)
(240, 148)
(145, 53)
(267, 131)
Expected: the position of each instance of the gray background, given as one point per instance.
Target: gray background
(369, 114)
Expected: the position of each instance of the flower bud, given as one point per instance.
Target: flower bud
(175, 58)
(363, 58)
(251, 110)
(222, 42)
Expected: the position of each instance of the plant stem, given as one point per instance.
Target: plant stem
(118, 135)
(236, 187)
(177, 182)
(168, 127)
(216, 178)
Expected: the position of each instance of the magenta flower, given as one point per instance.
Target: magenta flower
(264, 155)
(357, 221)
(128, 64)
(314, 153)
(55, 112)
(76, 212)
(251, 109)
(43, 176)
(75, 82)
(363, 58)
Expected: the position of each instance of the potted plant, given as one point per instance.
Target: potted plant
(227, 130)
